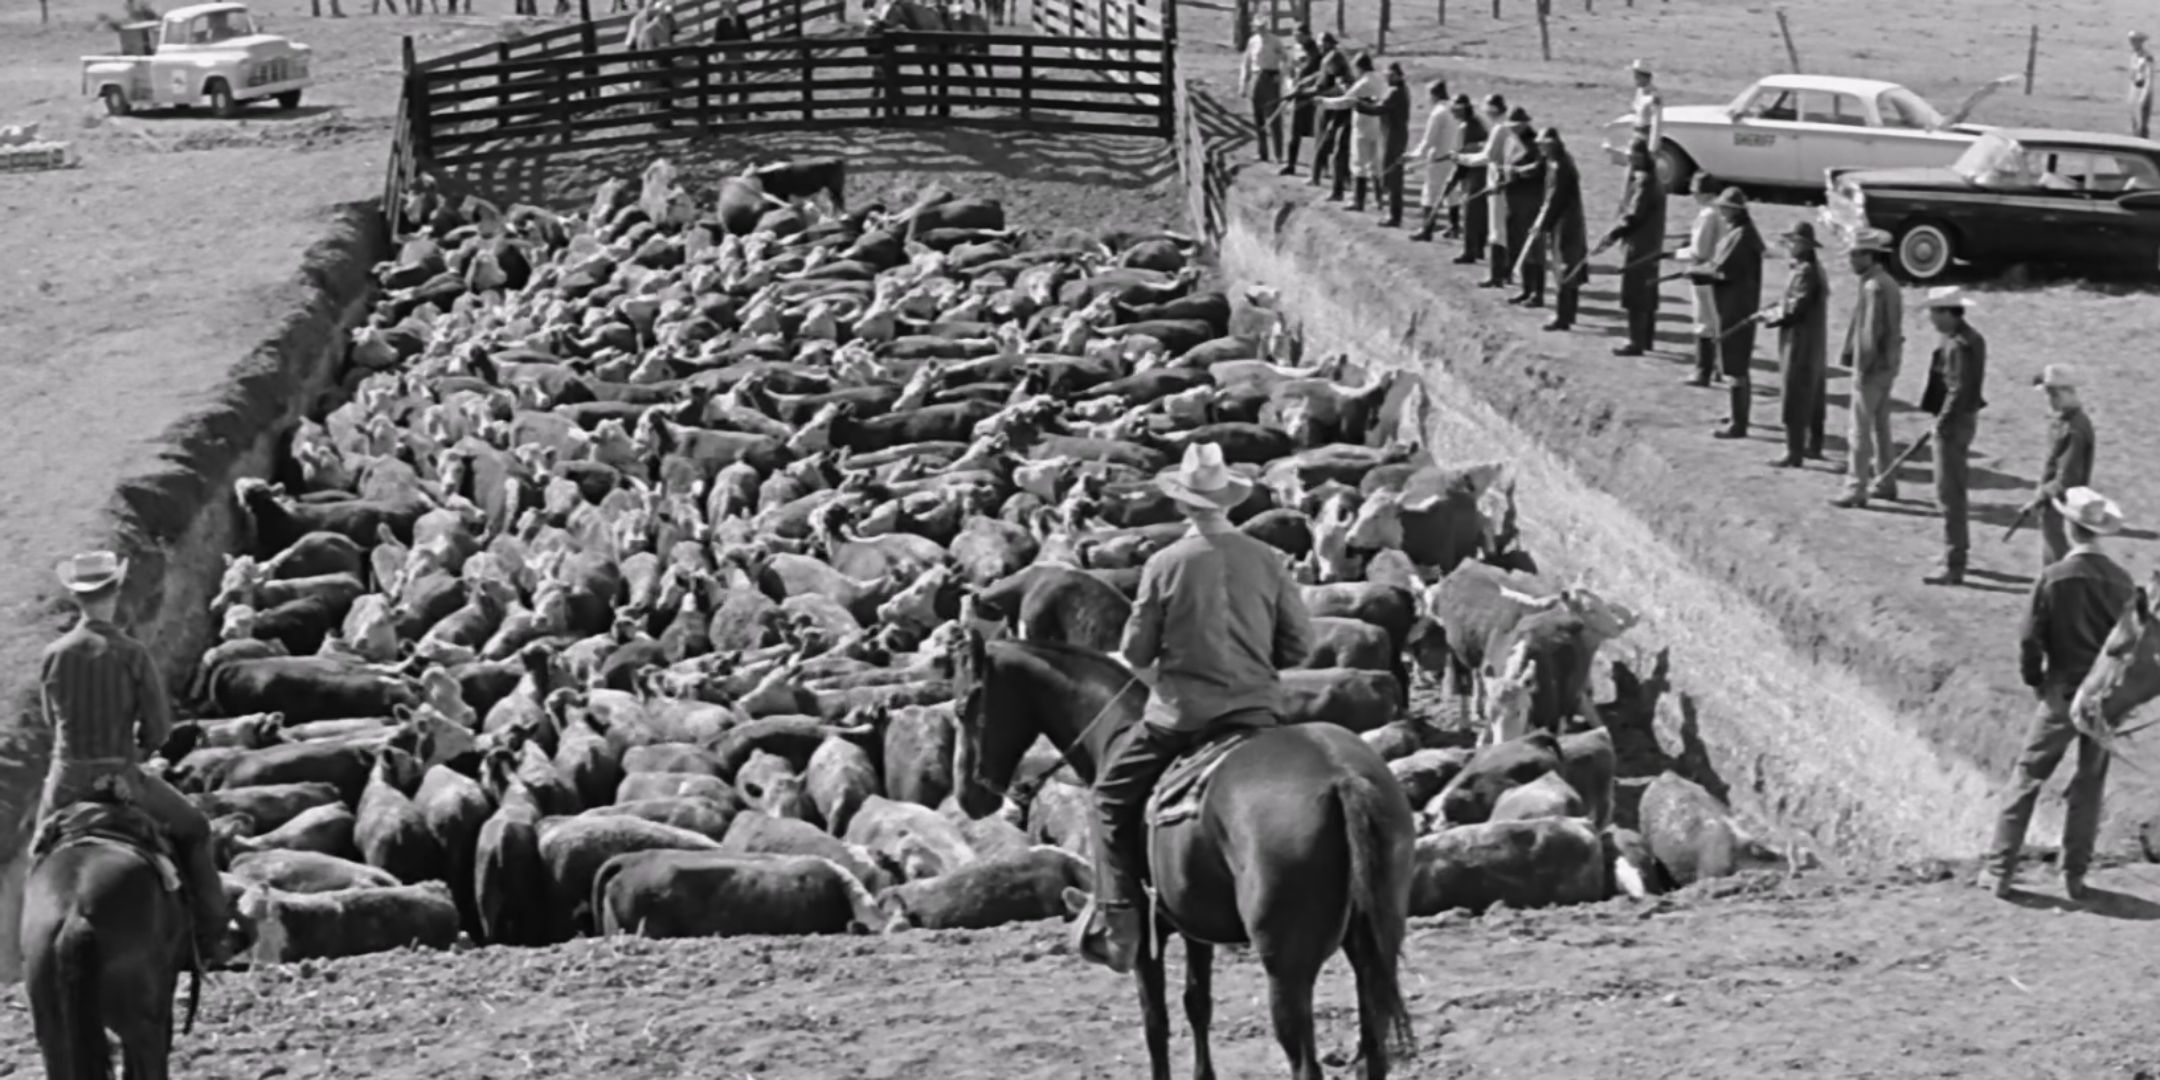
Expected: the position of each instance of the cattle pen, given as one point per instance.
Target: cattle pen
(1106, 67)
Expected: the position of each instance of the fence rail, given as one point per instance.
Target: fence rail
(578, 88)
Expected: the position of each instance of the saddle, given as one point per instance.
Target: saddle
(1177, 797)
(109, 816)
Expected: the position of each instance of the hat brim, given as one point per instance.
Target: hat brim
(1961, 303)
(1222, 498)
(92, 583)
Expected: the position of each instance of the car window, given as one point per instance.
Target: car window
(2133, 173)
(2057, 170)
(1821, 107)
(1773, 105)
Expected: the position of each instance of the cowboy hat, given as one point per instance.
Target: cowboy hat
(1519, 116)
(1549, 135)
(2091, 511)
(1202, 479)
(91, 571)
(1639, 68)
(2062, 376)
(1801, 232)
(1871, 239)
(1948, 296)
(1732, 198)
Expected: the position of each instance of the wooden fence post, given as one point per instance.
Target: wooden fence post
(809, 100)
(1027, 81)
(1387, 14)
(1342, 19)
(1544, 27)
(1784, 29)
(416, 102)
(1443, 12)
(1495, 9)
(2032, 57)
(502, 83)
(591, 38)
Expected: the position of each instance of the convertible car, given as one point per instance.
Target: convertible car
(2018, 195)
(1781, 133)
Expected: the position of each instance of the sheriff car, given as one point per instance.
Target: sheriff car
(207, 54)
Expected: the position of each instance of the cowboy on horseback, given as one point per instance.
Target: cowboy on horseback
(107, 704)
(1216, 617)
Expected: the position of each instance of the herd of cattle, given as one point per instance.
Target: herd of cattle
(615, 597)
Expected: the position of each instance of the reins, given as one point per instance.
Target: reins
(1064, 757)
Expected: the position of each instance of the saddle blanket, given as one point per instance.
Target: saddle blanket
(1184, 785)
(168, 874)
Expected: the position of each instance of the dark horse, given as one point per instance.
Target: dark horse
(103, 943)
(901, 17)
(1302, 844)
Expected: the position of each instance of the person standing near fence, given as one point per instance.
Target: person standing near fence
(1557, 236)
(1641, 234)
(730, 28)
(1802, 322)
(1432, 154)
(1493, 158)
(1301, 107)
(1363, 125)
(1467, 212)
(2141, 86)
(1702, 244)
(1260, 83)
(1394, 111)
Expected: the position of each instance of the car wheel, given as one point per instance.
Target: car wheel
(1924, 251)
(290, 99)
(116, 102)
(1674, 168)
(221, 99)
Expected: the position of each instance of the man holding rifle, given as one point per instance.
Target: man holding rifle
(1641, 231)
(1734, 273)
(1556, 236)
(1956, 374)
(2069, 459)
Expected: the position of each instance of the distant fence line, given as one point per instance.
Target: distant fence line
(578, 88)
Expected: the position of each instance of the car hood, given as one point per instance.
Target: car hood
(1904, 178)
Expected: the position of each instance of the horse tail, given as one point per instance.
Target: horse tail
(1379, 901)
(73, 984)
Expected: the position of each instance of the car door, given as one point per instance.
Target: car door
(2036, 219)
(1760, 147)
(2122, 192)
(1901, 137)
(1830, 132)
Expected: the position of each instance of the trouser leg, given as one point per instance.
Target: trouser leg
(1743, 401)
(1501, 271)
(2054, 540)
(1953, 441)
(1705, 360)
(2081, 815)
(1136, 761)
(1642, 323)
(190, 832)
(2046, 740)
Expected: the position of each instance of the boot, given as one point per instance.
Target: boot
(1454, 222)
(206, 900)
(1497, 259)
(1705, 361)
(1742, 400)
(1342, 182)
(1109, 929)
(1427, 222)
(1357, 201)
(1289, 160)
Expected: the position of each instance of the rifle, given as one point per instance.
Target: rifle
(1908, 455)
(2024, 516)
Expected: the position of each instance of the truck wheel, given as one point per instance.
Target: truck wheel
(221, 100)
(1675, 168)
(1924, 251)
(290, 99)
(116, 102)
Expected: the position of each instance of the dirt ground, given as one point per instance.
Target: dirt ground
(1804, 978)
(1951, 658)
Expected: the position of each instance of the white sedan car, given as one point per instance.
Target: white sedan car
(1783, 132)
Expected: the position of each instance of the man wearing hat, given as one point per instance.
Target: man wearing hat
(1802, 322)
(1216, 617)
(2069, 457)
(1301, 108)
(1522, 188)
(1467, 216)
(1641, 231)
(1331, 155)
(1734, 274)
(1493, 158)
(1260, 84)
(1956, 374)
(1648, 107)
(106, 702)
(1874, 352)
(1365, 126)
(1432, 152)
(1703, 242)
(2074, 606)
(1557, 233)
(2141, 88)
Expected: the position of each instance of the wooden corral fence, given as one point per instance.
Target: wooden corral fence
(579, 88)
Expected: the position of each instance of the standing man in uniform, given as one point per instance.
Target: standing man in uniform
(1956, 374)
(1648, 107)
(1432, 153)
(1641, 232)
(1493, 158)
(1703, 242)
(1394, 111)
(1558, 233)
(1332, 154)
(107, 705)
(1803, 326)
(1474, 214)
(1874, 352)
(1216, 617)
(1260, 83)
(1364, 126)
(2069, 457)
(1523, 189)
(2074, 607)
(1301, 109)
(2141, 86)
(1734, 274)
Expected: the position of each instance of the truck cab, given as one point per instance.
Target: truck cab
(211, 55)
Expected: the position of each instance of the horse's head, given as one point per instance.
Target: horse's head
(2127, 672)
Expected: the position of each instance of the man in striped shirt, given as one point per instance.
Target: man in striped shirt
(107, 705)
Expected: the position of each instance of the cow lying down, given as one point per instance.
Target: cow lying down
(285, 926)
(669, 894)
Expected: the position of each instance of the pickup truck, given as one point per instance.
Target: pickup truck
(206, 54)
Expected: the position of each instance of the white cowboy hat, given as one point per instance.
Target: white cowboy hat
(1639, 68)
(1871, 239)
(1202, 479)
(2057, 375)
(2090, 510)
(1949, 296)
(91, 571)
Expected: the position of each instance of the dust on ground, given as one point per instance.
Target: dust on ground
(1806, 978)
